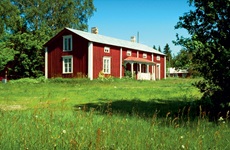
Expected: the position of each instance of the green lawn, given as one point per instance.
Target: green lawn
(113, 114)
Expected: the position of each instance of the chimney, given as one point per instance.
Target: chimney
(94, 30)
(133, 39)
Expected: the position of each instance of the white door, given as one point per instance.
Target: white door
(158, 71)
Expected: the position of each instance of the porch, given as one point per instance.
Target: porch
(140, 68)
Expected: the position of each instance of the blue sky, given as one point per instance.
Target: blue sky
(153, 19)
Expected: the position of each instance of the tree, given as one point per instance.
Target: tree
(208, 24)
(29, 24)
(6, 54)
(159, 49)
(168, 54)
(183, 60)
(154, 47)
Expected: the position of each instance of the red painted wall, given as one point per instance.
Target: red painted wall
(162, 64)
(79, 53)
(98, 54)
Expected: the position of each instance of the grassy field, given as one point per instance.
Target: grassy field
(107, 114)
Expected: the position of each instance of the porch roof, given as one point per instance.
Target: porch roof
(138, 60)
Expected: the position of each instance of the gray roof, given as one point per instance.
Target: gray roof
(113, 41)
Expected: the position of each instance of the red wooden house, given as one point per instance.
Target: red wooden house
(73, 53)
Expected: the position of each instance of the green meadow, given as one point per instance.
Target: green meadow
(107, 114)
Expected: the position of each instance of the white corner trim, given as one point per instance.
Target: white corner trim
(90, 60)
(159, 70)
(120, 63)
(165, 67)
(46, 63)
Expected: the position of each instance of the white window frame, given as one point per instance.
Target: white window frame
(69, 68)
(107, 65)
(67, 43)
(158, 57)
(107, 49)
(144, 55)
(129, 53)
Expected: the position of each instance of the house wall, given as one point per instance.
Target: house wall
(79, 53)
(162, 64)
(80, 57)
(139, 54)
(98, 54)
(149, 57)
(128, 66)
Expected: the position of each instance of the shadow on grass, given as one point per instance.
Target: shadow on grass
(136, 107)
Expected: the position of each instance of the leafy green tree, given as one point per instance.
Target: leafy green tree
(6, 54)
(183, 59)
(209, 26)
(29, 24)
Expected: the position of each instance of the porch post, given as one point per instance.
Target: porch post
(147, 69)
(152, 73)
(46, 63)
(140, 67)
(132, 68)
(90, 60)
(120, 63)
(165, 67)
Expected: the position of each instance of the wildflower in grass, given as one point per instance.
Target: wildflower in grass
(64, 131)
(221, 119)
(181, 137)
(182, 146)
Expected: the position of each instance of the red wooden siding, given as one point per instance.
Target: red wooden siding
(98, 54)
(79, 53)
(162, 64)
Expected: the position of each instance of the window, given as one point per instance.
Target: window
(106, 65)
(158, 57)
(67, 64)
(106, 49)
(129, 53)
(144, 55)
(67, 43)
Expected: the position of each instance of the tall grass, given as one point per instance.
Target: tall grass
(82, 114)
(46, 127)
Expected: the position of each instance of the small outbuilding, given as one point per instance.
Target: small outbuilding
(173, 72)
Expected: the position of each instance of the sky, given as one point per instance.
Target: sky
(154, 20)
